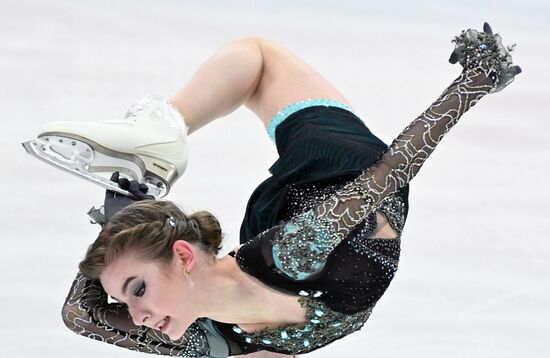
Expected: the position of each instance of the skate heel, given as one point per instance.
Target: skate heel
(159, 173)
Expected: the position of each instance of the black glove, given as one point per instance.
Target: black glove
(115, 201)
(484, 48)
(458, 54)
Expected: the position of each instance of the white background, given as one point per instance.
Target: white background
(474, 275)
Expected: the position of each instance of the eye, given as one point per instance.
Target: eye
(140, 291)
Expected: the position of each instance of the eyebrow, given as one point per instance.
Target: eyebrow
(124, 286)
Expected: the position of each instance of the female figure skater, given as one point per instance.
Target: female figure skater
(320, 238)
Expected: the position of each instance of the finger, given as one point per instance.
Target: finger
(143, 188)
(114, 176)
(134, 188)
(123, 183)
(454, 58)
(515, 70)
(487, 28)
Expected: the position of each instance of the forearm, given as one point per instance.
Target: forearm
(221, 84)
(405, 156)
(322, 228)
(87, 313)
(408, 152)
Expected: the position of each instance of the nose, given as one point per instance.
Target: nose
(139, 317)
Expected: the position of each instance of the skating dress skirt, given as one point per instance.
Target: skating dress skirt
(321, 143)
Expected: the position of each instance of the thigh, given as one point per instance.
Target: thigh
(286, 79)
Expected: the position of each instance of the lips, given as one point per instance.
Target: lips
(162, 325)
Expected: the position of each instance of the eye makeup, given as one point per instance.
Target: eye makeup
(140, 291)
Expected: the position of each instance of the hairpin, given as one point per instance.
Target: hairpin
(172, 221)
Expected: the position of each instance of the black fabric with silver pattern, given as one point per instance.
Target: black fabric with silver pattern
(303, 245)
(87, 312)
(331, 221)
(340, 217)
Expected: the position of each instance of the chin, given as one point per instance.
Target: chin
(177, 331)
(175, 336)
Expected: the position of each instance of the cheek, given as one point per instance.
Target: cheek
(172, 296)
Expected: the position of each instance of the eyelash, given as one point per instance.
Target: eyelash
(141, 291)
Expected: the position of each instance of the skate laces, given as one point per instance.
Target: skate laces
(160, 108)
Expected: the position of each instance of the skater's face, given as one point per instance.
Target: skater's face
(153, 291)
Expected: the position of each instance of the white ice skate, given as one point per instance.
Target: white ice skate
(148, 145)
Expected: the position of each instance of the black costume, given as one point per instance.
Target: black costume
(309, 229)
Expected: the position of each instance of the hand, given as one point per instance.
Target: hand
(459, 53)
(115, 201)
(484, 49)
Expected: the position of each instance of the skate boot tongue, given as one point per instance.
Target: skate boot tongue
(152, 107)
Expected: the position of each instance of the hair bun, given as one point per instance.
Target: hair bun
(209, 228)
(150, 228)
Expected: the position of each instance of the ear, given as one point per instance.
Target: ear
(184, 254)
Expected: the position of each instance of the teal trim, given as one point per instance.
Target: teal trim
(280, 116)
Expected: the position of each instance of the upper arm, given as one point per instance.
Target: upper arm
(285, 79)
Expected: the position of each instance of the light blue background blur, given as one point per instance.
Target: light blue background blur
(473, 280)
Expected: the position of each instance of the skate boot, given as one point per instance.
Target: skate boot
(148, 145)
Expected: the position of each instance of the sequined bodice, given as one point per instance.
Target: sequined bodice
(321, 325)
(299, 256)
(301, 198)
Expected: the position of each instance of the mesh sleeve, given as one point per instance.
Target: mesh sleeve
(318, 231)
(405, 156)
(87, 312)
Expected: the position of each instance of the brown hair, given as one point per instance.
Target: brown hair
(148, 228)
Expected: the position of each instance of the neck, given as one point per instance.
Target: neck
(228, 294)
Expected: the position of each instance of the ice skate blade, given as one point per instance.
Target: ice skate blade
(89, 161)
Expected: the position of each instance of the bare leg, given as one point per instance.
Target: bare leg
(251, 71)
(221, 84)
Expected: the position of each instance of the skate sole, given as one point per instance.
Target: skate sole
(85, 158)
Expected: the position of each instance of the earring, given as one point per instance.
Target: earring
(185, 272)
